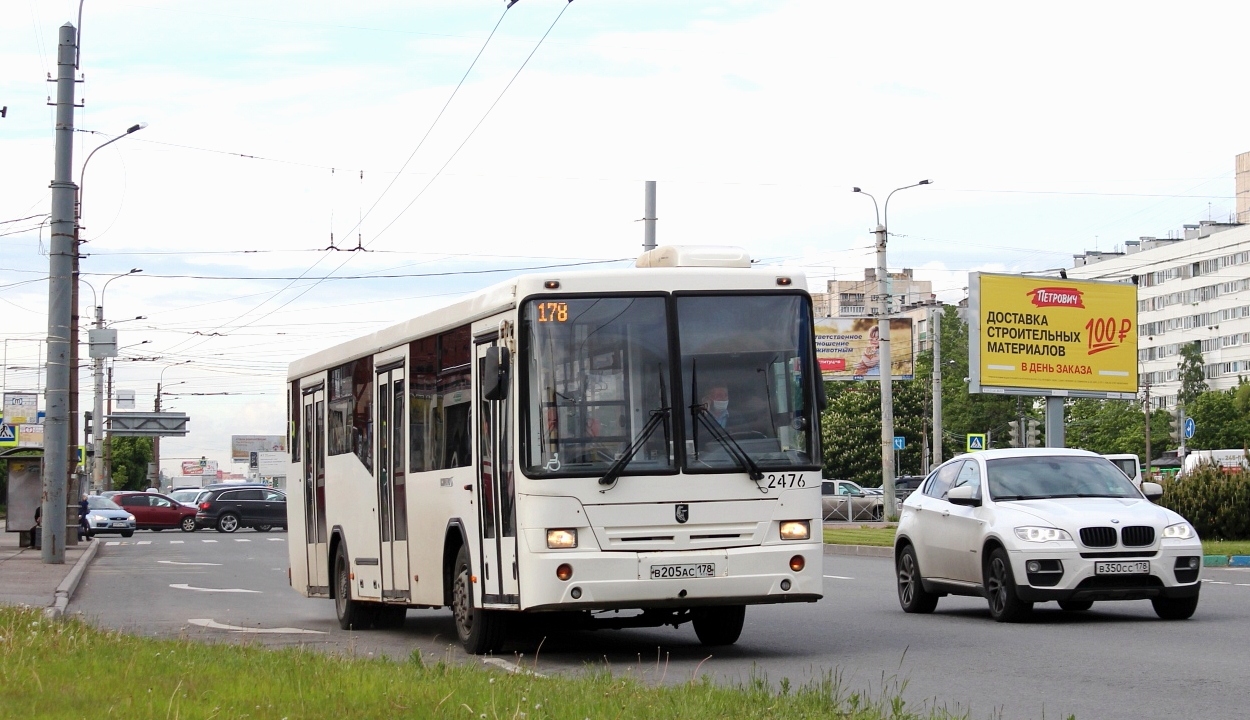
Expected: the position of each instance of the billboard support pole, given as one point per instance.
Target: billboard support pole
(1054, 421)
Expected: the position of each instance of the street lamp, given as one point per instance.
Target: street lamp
(156, 440)
(100, 347)
(884, 359)
(73, 348)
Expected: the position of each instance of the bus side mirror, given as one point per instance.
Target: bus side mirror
(495, 373)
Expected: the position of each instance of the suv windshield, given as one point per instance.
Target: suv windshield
(596, 372)
(1032, 478)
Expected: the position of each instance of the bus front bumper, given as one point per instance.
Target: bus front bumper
(623, 580)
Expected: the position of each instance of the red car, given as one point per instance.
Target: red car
(154, 511)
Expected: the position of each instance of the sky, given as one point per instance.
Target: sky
(458, 142)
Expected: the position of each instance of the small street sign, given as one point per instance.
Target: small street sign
(1190, 427)
(976, 441)
(900, 442)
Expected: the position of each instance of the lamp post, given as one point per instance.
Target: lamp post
(73, 350)
(156, 440)
(884, 359)
(97, 355)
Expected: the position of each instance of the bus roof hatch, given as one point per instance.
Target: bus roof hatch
(721, 256)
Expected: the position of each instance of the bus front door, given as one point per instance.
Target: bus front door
(316, 542)
(392, 490)
(496, 497)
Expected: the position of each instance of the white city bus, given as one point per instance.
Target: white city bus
(629, 448)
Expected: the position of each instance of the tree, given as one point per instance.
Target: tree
(1219, 423)
(1191, 373)
(131, 456)
(963, 412)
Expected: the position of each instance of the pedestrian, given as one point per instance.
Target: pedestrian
(84, 508)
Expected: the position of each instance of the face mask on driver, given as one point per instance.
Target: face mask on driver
(720, 406)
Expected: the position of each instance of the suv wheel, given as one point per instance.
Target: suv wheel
(1000, 589)
(227, 523)
(263, 528)
(912, 596)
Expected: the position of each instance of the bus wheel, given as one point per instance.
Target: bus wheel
(353, 614)
(480, 631)
(718, 625)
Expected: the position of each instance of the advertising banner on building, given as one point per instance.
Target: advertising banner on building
(1052, 336)
(848, 348)
(242, 446)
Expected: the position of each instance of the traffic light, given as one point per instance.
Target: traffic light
(1174, 426)
(1034, 435)
(1013, 428)
(86, 416)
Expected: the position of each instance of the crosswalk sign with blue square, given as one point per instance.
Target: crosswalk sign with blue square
(976, 441)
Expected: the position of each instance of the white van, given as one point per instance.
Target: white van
(1129, 464)
(1230, 460)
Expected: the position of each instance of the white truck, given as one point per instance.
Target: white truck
(1129, 464)
(1231, 460)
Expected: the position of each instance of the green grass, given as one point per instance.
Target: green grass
(68, 669)
(863, 535)
(884, 537)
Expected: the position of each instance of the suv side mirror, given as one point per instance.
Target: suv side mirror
(495, 373)
(1152, 491)
(963, 495)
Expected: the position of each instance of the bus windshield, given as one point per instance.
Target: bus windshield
(598, 384)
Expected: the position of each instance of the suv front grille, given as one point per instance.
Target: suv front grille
(1137, 536)
(1098, 537)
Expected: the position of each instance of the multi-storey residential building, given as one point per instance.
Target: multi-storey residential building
(1190, 289)
(858, 298)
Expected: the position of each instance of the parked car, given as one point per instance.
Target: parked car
(844, 500)
(186, 496)
(105, 516)
(1024, 526)
(905, 485)
(231, 507)
(156, 512)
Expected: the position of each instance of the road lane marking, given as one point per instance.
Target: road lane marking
(184, 586)
(1243, 584)
(213, 625)
(839, 577)
(144, 542)
(241, 540)
(208, 541)
(1216, 582)
(175, 542)
(113, 542)
(275, 539)
(175, 562)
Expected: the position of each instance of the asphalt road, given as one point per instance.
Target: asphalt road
(1115, 661)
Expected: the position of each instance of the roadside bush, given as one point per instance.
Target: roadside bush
(1216, 503)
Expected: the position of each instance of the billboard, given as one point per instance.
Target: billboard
(847, 348)
(1052, 336)
(199, 467)
(242, 446)
(21, 408)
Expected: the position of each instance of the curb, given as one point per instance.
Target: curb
(65, 591)
(860, 550)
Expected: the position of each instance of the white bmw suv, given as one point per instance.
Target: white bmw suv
(1033, 525)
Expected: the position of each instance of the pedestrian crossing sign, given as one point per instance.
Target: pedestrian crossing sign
(8, 434)
(976, 441)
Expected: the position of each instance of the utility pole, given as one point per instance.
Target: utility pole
(937, 386)
(648, 241)
(97, 437)
(1147, 409)
(57, 432)
(108, 449)
(156, 444)
(885, 361)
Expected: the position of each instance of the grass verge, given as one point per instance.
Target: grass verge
(884, 537)
(68, 669)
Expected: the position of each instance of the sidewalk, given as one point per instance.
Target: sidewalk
(26, 580)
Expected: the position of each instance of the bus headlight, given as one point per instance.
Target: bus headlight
(795, 530)
(561, 539)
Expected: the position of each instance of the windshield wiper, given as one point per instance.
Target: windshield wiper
(658, 416)
(699, 412)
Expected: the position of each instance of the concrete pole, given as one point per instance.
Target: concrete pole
(885, 363)
(1146, 476)
(1054, 422)
(57, 437)
(97, 432)
(648, 242)
(937, 386)
(108, 449)
(156, 444)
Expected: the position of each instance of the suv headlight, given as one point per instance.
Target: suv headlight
(1179, 531)
(1037, 534)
